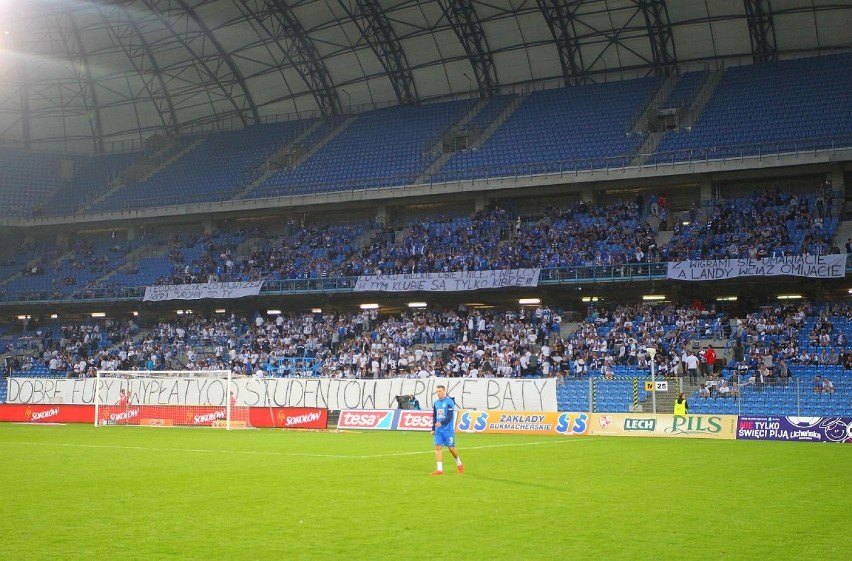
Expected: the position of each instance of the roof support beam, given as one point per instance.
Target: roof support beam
(125, 32)
(761, 31)
(236, 74)
(295, 44)
(207, 63)
(466, 24)
(90, 101)
(659, 33)
(23, 87)
(377, 31)
(560, 19)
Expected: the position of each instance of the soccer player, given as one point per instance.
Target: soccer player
(444, 428)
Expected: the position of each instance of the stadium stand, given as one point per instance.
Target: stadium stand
(559, 129)
(380, 148)
(216, 169)
(785, 106)
(684, 90)
(28, 179)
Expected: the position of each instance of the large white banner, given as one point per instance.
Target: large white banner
(324, 393)
(448, 282)
(202, 290)
(812, 266)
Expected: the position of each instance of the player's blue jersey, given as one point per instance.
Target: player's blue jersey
(442, 412)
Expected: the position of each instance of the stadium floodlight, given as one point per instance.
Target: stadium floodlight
(170, 398)
(25, 317)
(54, 316)
(591, 298)
(653, 297)
(273, 312)
(789, 296)
(316, 310)
(98, 314)
(369, 306)
(220, 310)
(726, 299)
(417, 304)
(529, 301)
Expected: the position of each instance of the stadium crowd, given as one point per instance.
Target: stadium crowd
(770, 223)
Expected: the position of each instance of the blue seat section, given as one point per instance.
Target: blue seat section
(794, 398)
(685, 89)
(18, 261)
(62, 273)
(28, 179)
(91, 179)
(217, 169)
(491, 111)
(381, 148)
(773, 223)
(613, 396)
(4, 390)
(557, 129)
(787, 106)
(572, 395)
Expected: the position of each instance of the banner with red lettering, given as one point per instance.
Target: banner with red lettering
(30, 413)
(385, 419)
(289, 417)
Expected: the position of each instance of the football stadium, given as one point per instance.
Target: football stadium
(400, 279)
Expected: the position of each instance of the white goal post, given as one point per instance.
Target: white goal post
(166, 398)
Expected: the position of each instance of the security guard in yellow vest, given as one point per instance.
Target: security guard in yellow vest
(681, 407)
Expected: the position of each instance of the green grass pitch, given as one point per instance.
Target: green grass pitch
(79, 492)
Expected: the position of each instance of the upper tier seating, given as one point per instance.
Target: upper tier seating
(28, 180)
(684, 90)
(557, 129)
(215, 170)
(381, 148)
(802, 104)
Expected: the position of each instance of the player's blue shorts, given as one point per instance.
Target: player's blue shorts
(445, 438)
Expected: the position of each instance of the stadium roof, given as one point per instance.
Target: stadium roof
(102, 75)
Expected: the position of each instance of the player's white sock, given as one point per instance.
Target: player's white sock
(458, 460)
(440, 466)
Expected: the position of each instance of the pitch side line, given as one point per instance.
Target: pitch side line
(283, 454)
(463, 449)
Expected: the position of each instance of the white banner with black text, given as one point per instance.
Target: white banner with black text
(455, 281)
(811, 266)
(323, 393)
(202, 290)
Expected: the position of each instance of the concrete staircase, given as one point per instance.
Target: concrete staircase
(300, 157)
(282, 153)
(663, 238)
(438, 147)
(641, 123)
(665, 400)
(702, 97)
(144, 169)
(843, 232)
(480, 140)
(498, 122)
(647, 149)
(133, 257)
